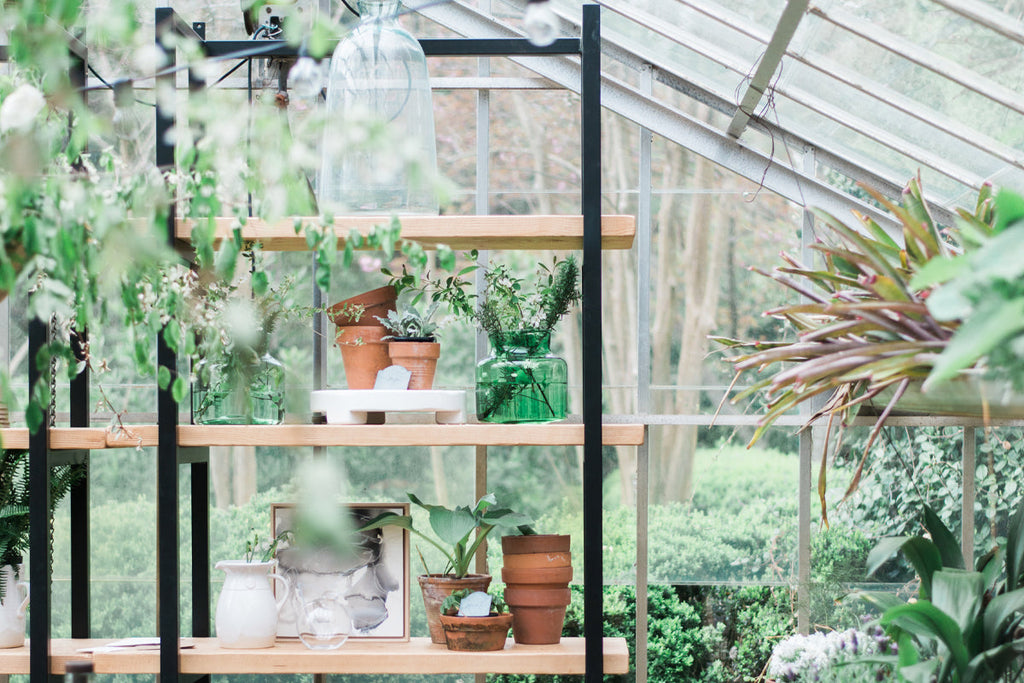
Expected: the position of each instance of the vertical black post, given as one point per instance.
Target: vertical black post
(39, 510)
(200, 489)
(79, 495)
(79, 502)
(168, 601)
(593, 578)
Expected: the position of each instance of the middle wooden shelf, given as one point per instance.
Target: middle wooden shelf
(305, 435)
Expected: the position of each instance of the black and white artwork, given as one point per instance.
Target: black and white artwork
(371, 585)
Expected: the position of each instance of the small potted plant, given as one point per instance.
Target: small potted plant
(453, 531)
(14, 535)
(412, 343)
(360, 335)
(480, 628)
(522, 381)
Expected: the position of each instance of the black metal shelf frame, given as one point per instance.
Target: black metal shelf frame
(588, 47)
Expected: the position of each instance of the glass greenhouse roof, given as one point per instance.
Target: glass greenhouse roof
(879, 90)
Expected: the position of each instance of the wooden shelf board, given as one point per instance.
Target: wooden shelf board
(61, 438)
(458, 232)
(379, 435)
(418, 656)
(15, 660)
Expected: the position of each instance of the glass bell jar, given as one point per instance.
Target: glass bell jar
(379, 148)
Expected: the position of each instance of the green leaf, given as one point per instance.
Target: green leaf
(942, 537)
(1009, 208)
(958, 593)
(939, 270)
(883, 550)
(926, 620)
(34, 416)
(993, 322)
(1001, 614)
(995, 663)
(260, 283)
(1015, 549)
(452, 526)
(179, 389)
(445, 257)
(163, 377)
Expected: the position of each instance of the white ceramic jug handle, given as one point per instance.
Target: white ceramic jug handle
(24, 603)
(285, 592)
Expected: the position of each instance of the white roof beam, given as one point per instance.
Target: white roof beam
(990, 18)
(926, 59)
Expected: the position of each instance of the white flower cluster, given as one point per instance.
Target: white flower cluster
(815, 657)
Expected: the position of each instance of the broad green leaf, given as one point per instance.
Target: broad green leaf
(1009, 208)
(939, 270)
(926, 620)
(260, 283)
(883, 550)
(995, 663)
(926, 559)
(921, 672)
(1015, 549)
(958, 593)
(451, 526)
(163, 377)
(942, 537)
(34, 416)
(1001, 613)
(993, 322)
(388, 519)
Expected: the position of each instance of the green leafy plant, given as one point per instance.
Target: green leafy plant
(14, 501)
(451, 603)
(965, 626)
(508, 305)
(262, 551)
(983, 287)
(864, 330)
(453, 528)
(410, 323)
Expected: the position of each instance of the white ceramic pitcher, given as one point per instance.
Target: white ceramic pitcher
(246, 609)
(12, 609)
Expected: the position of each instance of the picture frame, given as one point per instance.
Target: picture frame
(373, 584)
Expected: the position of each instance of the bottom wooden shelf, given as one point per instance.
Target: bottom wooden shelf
(418, 656)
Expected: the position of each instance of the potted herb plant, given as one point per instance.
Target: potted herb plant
(471, 632)
(453, 535)
(412, 343)
(522, 381)
(14, 535)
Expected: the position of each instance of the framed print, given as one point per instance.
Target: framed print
(372, 585)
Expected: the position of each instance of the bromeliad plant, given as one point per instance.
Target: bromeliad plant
(865, 330)
(965, 626)
(454, 528)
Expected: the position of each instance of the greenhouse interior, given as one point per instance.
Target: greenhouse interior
(404, 340)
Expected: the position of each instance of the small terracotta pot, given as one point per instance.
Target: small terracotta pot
(362, 360)
(537, 560)
(419, 358)
(547, 576)
(535, 543)
(437, 587)
(476, 634)
(376, 302)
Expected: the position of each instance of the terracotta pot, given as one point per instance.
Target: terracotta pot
(376, 302)
(535, 543)
(537, 560)
(362, 360)
(523, 595)
(437, 587)
(537, 625)
(476, 634)
(556, 576)
(419, 358)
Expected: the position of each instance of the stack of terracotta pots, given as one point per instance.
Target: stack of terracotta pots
(361, 339)
(537, 570)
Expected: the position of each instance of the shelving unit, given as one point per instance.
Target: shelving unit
(177, 444)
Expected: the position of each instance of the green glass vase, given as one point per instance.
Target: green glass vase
(522, 381)
(227, 394)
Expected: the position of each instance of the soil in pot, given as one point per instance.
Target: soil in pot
(437, 587)
(364, 354)
(418, 357)
(476, 634)
(376, 302)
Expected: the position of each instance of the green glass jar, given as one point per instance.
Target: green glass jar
(522, 381)
(226, 394)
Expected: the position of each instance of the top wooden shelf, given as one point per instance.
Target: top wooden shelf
(458, 232)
